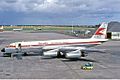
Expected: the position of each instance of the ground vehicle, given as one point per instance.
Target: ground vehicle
(88, 66)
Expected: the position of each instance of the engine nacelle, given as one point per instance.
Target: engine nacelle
(76, 54)
(50, 54)
(73, 54)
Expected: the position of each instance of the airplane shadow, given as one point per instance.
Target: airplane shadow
(23, 55)
(32, 55)
(48, 58)
(62, 59)
(84, 60)
(70, 60)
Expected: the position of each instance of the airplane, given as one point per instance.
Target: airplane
(65, 48)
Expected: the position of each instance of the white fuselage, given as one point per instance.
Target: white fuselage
(51, 44)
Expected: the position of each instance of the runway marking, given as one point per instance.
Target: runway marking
(101, 65)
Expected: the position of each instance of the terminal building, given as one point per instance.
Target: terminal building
(113, 30)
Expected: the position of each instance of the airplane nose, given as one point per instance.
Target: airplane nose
(3, 50)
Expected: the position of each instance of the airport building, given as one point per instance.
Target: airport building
(113, 30)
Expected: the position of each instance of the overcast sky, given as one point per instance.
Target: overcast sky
(59, 11)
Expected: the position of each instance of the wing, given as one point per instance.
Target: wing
(94, 50)
(70, 52)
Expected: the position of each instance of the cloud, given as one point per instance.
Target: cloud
(58, 5)
(80, 9)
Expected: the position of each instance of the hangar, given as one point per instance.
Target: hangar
(114, 30)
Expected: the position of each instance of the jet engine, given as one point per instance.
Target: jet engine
(76, 54)
(50, 54)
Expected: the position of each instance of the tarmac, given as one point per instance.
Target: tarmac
(106, 65)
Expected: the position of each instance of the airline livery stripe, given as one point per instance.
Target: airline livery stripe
(54, 44)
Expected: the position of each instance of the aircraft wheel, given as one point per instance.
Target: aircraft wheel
(25, 54)
(60, 55)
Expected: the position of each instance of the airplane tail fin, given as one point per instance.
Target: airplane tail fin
(101, 32)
